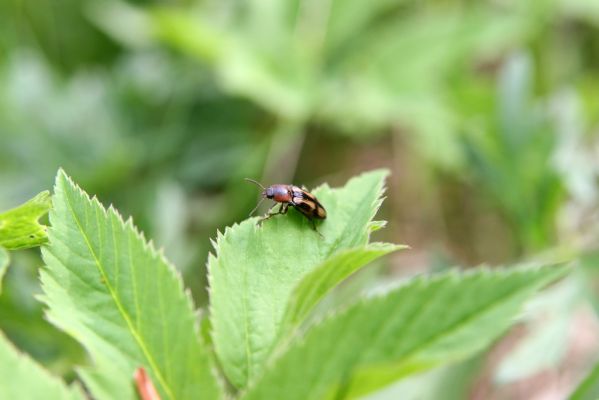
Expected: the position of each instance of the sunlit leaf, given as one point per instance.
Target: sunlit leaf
(322, 279)
(109, 289)
(422, 324)
(256, 268)
(19, 227)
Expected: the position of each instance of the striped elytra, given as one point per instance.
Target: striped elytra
(294, 196)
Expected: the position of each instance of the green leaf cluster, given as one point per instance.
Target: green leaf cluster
(336, 63)
(265, 282)
(427, 322)
(264, 338)
(262, 265)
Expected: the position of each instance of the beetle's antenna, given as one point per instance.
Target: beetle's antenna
(255, 182)
(257, 205)
(262, 199)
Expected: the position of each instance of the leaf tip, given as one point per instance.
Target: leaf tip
(62, 178)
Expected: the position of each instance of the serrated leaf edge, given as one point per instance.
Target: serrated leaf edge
(387, 248)
(148, 246)
(425, 280)
(221, 236)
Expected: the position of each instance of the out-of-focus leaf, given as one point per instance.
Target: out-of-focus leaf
(33, 147)
(122, 21)
(408, 330)
(588, 389)
(583, 9)
(190, 34)
(108, 288)
(241, 68)
(511, 157)
(589, 262)
(546, 342)
(451, 382)
(4, 260)
(350, 18)
(23, 379)
(409, 60)
(20, 228)
(68, 45)
(341, 64)
(22, 318)
(256, 268)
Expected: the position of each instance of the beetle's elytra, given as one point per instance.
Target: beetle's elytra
(294, 196)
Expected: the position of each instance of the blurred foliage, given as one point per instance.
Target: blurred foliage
(4, 261)
(511, 154)
(486, 112)
(23, 321)
(20, 227)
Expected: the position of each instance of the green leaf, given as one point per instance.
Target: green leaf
(19, 227)
(4, 260)
(349, 18)
(448, 382)
(321, 280)
(279, 83)
(22, 378)
(422, 324)
(257, 267)
(588, 389)
(109, 289)
(547, 323)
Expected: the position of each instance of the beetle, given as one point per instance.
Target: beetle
(291, 195)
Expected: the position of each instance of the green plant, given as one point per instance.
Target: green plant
(510, 155)
(20, 229)
(358, 69)
(264, 337)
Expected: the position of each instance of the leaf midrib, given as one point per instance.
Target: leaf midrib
(333, 248)
(246, 324)
(428, 342)
(462, 322)
(116, 299)
(457, 325)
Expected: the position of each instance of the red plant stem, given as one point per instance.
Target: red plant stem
(145, 387)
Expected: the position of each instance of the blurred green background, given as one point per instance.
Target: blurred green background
(486, 112)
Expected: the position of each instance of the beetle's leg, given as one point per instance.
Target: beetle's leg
(282, 210)
(268, 214)
(314, 227)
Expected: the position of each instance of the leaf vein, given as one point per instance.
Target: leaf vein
(116, 299)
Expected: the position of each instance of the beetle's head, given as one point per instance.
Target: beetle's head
(269, 193)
